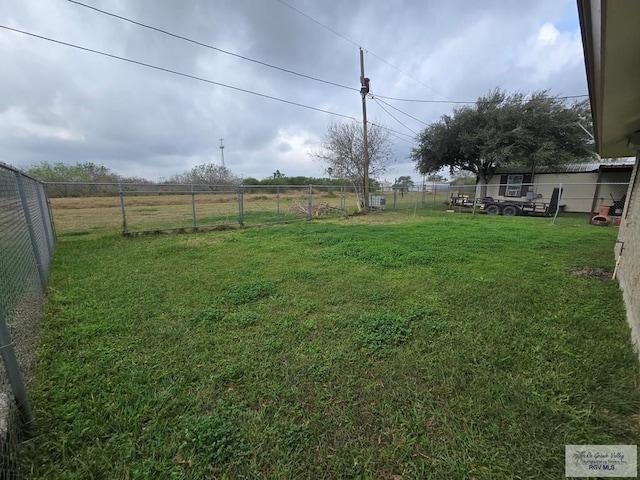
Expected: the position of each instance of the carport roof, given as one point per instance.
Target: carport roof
(611, 42)
(619, 164)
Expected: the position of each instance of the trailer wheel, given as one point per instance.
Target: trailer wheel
(492, 210)
(510, 210)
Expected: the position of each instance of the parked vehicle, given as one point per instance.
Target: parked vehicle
(528, 207)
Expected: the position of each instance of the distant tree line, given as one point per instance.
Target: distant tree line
(87, 172)
(204, 174)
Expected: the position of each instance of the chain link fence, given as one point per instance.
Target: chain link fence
(93, 208)
(86, 208)
(26, 246)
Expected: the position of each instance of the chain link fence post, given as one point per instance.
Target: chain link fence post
(193, 209)
(30, 228)
(310, 199)
(45, 213)
(241, 206)
(27, 237)
(15, 377)
(278, 203)
(124, 213)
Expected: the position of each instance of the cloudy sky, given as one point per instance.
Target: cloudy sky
(62, 104)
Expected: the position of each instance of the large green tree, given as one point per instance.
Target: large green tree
(505, 130)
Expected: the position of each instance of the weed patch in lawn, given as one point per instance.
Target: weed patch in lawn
(210, 315)
(380, 331)
(212, 440)
(243, 319)
(247, 292)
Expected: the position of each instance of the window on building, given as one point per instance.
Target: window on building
(514, 185)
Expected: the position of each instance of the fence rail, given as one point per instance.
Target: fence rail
(88, 208)
(144, 208)
(26, 247)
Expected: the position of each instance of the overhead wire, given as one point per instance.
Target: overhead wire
(292, 72)
(359, 45)
(318, 22)
(174, 72)
(448, 101)
(217, 49)
(398, 110)
(472, 102)
(395, 133)
(392, 116)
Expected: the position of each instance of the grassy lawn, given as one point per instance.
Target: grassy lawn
(391, 347)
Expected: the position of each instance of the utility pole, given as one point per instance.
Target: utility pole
(222, 151)
(364, 90)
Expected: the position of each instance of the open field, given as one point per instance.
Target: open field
(95, 216)
(386, 347)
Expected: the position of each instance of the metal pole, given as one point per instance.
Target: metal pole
(124, 213)
(30, 228)
(434, 193)
(475, 197)
(278, 202)
(364, 90)
(44, 215)
(53, 225)
(193, 209)
(310, 215)
(241, 206)
(15, 376)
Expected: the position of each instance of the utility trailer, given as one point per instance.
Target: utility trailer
(528, 207)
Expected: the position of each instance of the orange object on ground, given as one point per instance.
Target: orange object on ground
(602, 219)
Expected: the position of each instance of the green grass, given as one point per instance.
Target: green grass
(448, 346)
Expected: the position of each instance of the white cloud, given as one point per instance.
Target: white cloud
(550, 51)
(14, 121)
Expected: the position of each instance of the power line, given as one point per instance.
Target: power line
(174, 72)
(195, 42)
(357, 45)
(392, 116)
(566, 97)
(318, 22)
(408, 75)
(397, 109)
(395, 133)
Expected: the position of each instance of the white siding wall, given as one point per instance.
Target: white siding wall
(578, 189)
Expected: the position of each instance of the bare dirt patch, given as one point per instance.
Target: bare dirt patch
(591, 272)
